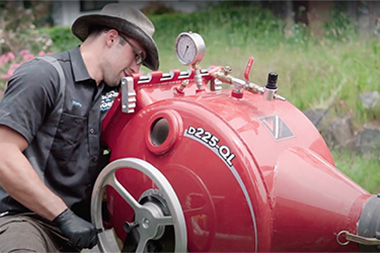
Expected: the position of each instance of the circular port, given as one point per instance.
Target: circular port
(159, 132)
(162, 131)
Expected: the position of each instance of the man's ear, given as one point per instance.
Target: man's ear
(111, 37)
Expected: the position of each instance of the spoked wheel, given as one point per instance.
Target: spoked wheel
(150, 218)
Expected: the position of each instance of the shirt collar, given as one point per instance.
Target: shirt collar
(79, 69)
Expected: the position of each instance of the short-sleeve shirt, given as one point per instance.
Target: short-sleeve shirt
(64, 154)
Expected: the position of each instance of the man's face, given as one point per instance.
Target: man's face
(122, 60)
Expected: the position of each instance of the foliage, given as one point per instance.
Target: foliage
(157, 8)
(20, 40)
(239, 25)
(18, 30)
(363, 170)
(339, 26)
(61, 37)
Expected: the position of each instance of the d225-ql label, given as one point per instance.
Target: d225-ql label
(212, 142)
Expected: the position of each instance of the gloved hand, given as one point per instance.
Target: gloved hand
(80, 233)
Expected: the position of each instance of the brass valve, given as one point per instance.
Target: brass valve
(183, 85)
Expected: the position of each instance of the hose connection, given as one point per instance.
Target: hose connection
(224, 75)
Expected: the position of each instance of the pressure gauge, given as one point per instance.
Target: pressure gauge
(190, 48)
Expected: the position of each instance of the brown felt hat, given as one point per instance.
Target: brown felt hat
(125, 19)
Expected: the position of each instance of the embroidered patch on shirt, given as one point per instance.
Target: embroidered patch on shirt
(107, 100)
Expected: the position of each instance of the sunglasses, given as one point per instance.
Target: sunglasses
(139, 55)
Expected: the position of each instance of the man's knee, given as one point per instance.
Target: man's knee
(22, 234)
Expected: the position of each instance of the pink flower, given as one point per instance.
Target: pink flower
(8, 58)
(4, 58)
(11, 56)
(11, 70)
(24, 52)
(5, 76)
(27, 57)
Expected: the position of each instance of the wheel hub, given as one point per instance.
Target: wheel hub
(163, 237)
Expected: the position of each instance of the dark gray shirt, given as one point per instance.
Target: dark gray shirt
(63, 148)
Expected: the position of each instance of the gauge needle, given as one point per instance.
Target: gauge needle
(187, 47)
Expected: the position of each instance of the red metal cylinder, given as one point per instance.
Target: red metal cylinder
(251, 174)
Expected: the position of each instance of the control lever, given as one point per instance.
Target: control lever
(248, 68)
(128, 226)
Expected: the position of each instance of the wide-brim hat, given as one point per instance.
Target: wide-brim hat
(125, 19)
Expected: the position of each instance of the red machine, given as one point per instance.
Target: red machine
(200, 169)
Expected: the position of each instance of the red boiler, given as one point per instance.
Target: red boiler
(200, 169)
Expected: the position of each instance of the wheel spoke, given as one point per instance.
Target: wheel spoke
(166, 220)
(114, 183)
(142, 243)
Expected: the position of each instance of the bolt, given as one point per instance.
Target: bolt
(183, 85)
(145, 223)
(227, 70)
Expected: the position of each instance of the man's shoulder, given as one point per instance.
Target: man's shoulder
(41, 68)
(38, 73)
(35, 70)
(60, 57)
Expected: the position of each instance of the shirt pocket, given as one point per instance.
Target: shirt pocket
(68, 138)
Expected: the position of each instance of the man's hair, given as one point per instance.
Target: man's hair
(96, 30)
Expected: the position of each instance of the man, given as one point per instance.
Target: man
(50, 124)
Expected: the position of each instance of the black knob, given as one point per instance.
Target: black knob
(272, 81)
(128, 226)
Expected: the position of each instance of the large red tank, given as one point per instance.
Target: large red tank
(247, 173)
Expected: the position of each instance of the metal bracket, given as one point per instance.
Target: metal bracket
(356, 238)
(128, 95)
(215, 84)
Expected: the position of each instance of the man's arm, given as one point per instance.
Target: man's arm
(20, 180)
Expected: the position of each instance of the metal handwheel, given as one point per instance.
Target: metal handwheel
(151, 221)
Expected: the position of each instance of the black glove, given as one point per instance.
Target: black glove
(80, 233)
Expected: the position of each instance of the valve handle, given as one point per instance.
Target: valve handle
(248, 68)
(128, 226)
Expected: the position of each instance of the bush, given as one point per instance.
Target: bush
(18, 31)
(10, 62)
(339, 27)
(62, 38)
(20, 40)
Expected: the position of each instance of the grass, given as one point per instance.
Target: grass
(363, 170)
(314, 72)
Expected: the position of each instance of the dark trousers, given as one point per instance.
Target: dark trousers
(30, 233)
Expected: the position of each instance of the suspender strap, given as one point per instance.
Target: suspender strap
(36, 158)
(53, 61)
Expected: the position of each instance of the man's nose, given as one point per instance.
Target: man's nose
(135, 68)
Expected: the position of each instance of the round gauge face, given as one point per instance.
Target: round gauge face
(190, 48)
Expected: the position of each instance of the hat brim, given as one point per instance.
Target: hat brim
(80, 29)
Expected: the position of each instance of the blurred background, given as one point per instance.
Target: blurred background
(326, 53)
